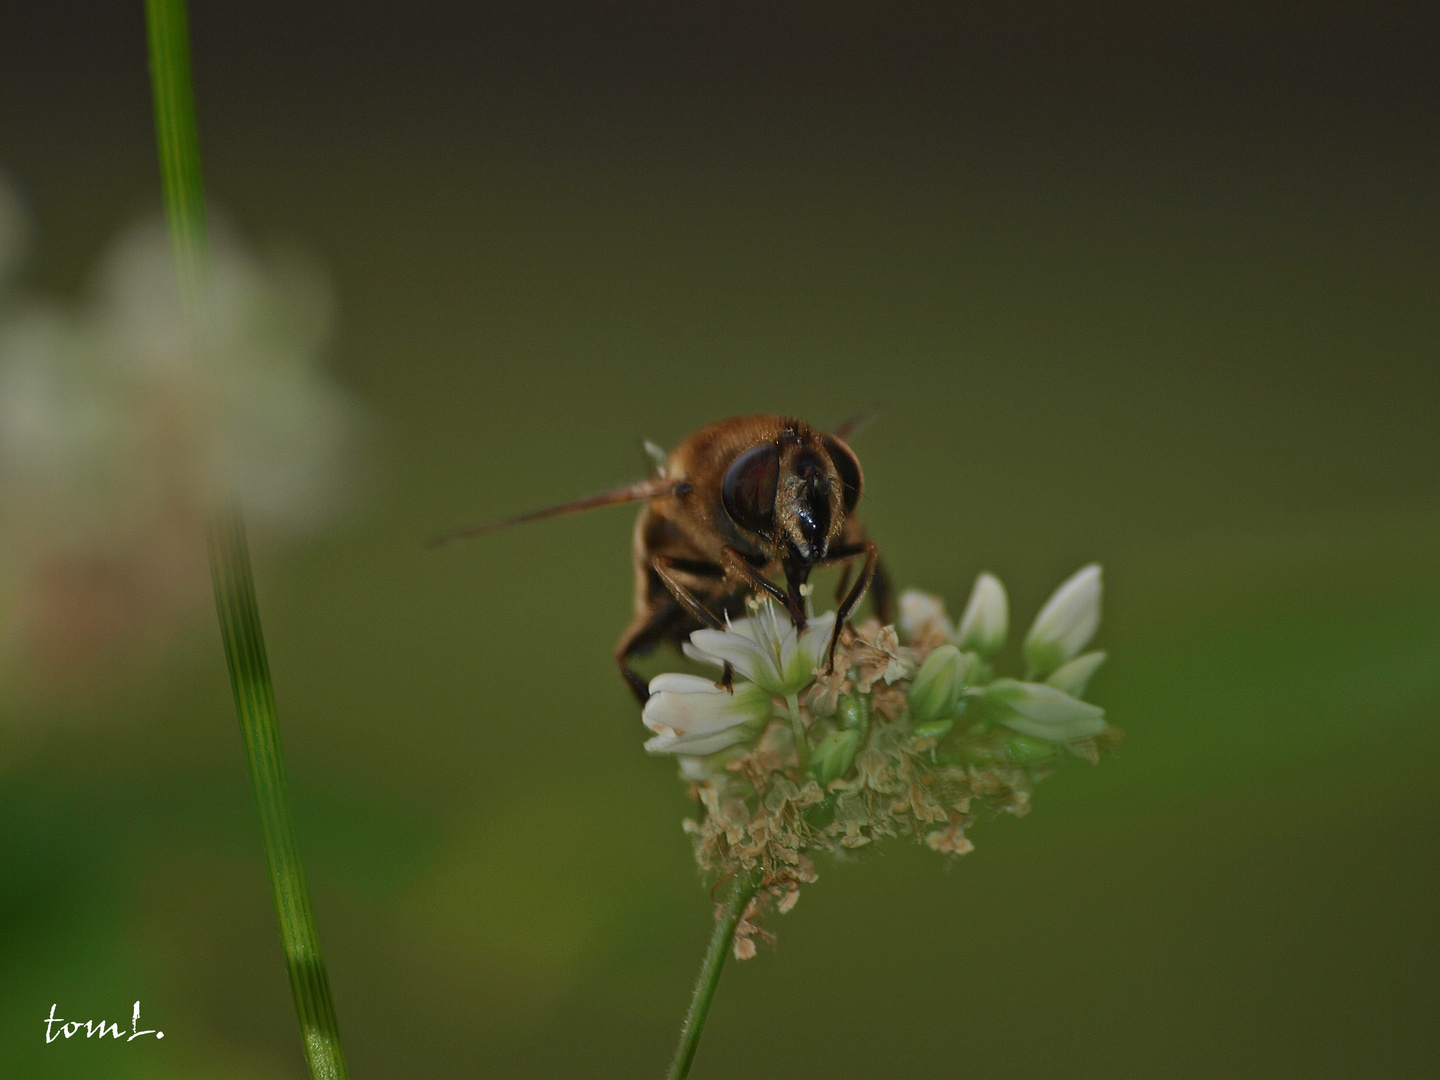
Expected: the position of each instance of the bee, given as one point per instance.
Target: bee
(736, 508)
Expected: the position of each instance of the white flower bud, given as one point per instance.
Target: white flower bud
(987, 617)
(935, 693)
(691, 715)
(1066, 623)
(919, 612)
(1043, 711)
(1075, 676)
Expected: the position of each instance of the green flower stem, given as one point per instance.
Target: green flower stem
(740, 894)
(235, 604)
(797, 726)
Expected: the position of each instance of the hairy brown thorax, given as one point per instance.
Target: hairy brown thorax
(738, 507)
(744, 502)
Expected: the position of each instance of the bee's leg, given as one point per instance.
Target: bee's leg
(843, 583)
(735, 563)
(664, 570)
(638, 686)
(648, 629)
(880, 595)
(857, 592)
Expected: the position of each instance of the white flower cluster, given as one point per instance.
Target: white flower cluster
(695, 717)
(910, 734)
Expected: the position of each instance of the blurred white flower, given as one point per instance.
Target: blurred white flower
(1066, 623)
(691, 715)
(115, 443)
(766, 649)
(987, 617)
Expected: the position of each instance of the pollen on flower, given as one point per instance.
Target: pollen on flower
(877, 654)
(824, 761)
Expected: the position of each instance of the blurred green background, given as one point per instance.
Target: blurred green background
(1154, 285)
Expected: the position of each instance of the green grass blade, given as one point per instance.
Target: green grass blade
(168, 33)
(230, 555)
(255, 702)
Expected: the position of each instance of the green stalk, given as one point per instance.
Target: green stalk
(230, 571)
(740, 894)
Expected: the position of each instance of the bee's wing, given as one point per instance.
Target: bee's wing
(646, 489)
(854, 422)
(655, 456)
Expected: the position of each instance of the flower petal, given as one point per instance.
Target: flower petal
(691, 715)
(1044, 712)
(802, 654)
(765, 649)
(1066, 623)
(986, 620)
(1075, 676)
(697, 745)
(921, 613)
(742, 652)
(675, 683)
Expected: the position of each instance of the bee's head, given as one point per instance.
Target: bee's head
(794, 493)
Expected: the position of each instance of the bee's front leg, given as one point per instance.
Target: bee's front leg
(739, 568)
(857, 591)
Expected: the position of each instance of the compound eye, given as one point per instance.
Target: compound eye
(848, 466)
(748, 492)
